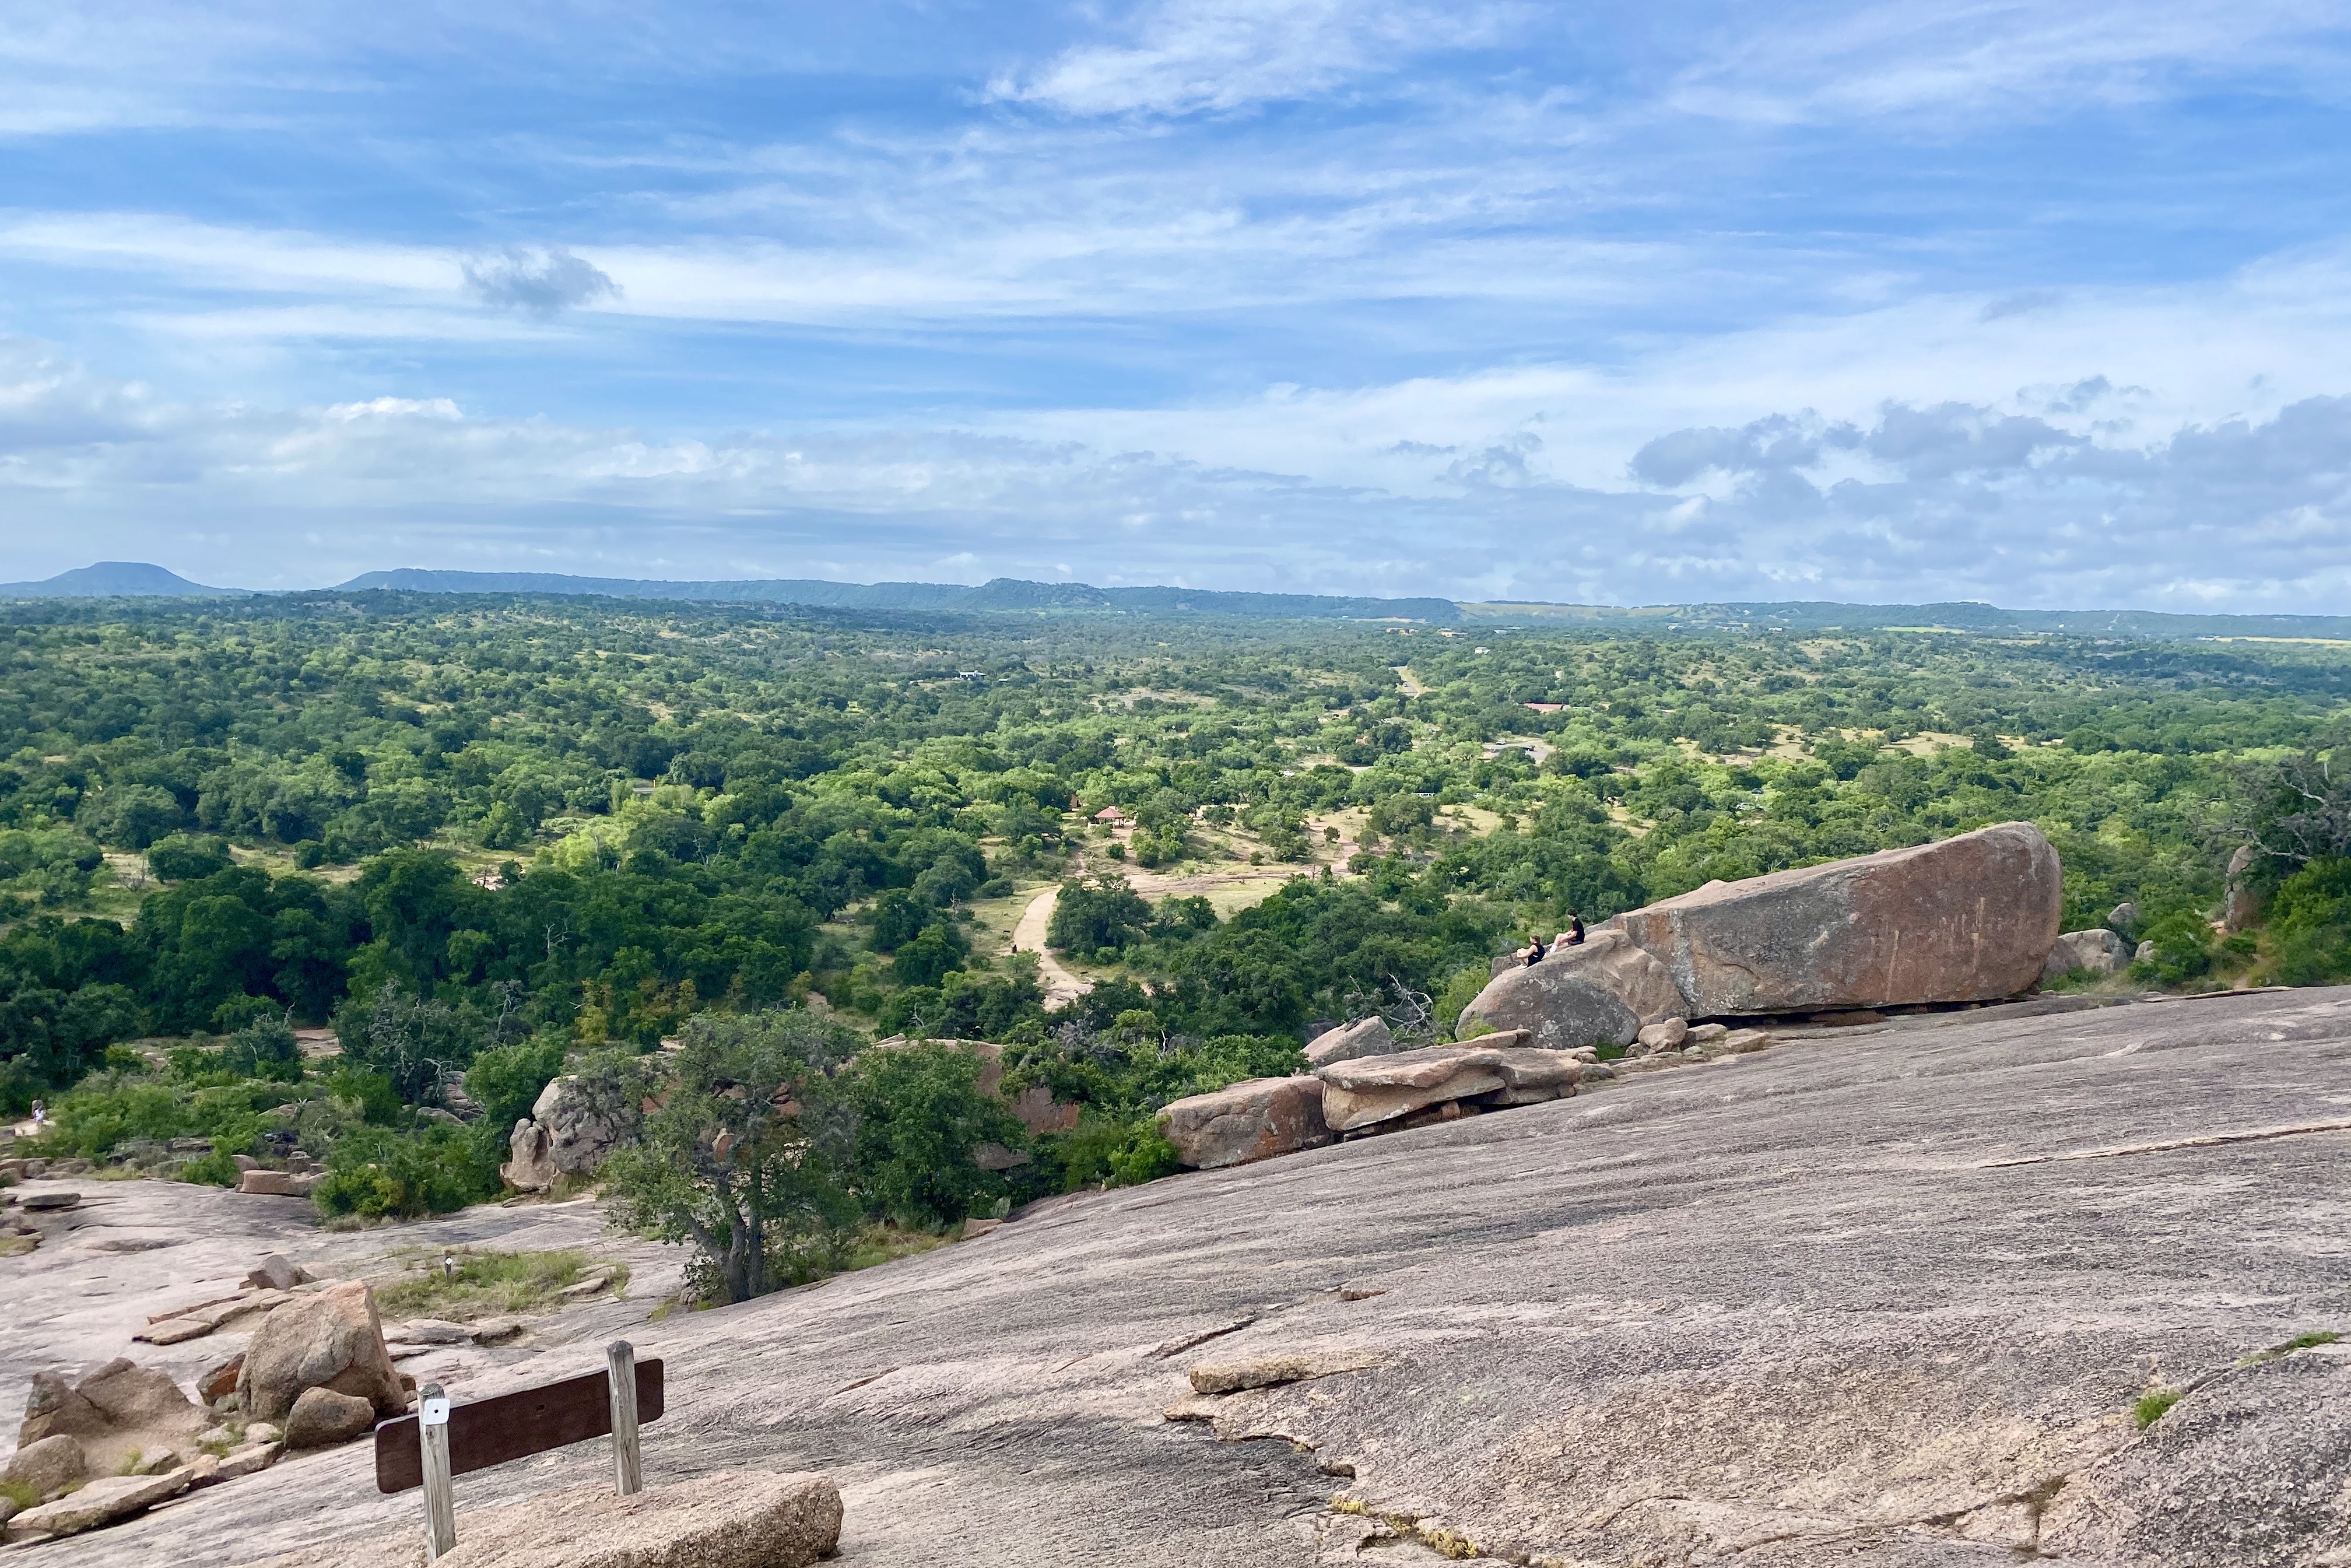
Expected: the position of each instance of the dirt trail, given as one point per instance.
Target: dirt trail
(1061, 987)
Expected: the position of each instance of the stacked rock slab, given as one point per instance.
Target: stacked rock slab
(1365, 1037)
(1492, 1071)
(1254, 1120)
(1970, 919)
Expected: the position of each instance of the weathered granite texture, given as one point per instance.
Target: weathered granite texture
(1881, 1298)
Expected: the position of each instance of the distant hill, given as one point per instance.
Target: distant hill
(1827, 616)
(117, 579)
(1003, 594)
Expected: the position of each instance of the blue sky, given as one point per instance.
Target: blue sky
(2036, 304)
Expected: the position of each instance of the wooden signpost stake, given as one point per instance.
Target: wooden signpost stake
(620, 1373)
(440, 1498)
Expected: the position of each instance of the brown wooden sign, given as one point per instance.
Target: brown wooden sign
(513, 1426)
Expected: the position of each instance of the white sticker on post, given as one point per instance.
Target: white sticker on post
(433, 1412)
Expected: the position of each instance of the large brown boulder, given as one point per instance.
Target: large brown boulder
(330, 1340)
(1601, 991)
(1253, 1120)
(1969, 919)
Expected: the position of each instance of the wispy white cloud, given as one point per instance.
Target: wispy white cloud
(1825, 63)
(1188, 56)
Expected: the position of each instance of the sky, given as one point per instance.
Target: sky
(2040, 304)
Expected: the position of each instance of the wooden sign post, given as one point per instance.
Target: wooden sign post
(440, 1497)
(620, 1376)
(443, 1441)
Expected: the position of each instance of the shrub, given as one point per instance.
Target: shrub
(217, 1168)
(2183, 949)
(920, 1115)
(188, 857)
(375, 1173)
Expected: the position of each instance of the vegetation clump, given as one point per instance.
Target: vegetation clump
(486, 841)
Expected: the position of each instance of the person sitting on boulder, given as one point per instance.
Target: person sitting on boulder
(1533, 952)
(1574, 936)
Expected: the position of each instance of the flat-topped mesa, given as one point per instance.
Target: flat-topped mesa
(1970, 919)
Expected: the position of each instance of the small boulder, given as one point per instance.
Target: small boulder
(1670, 1035)
(2098, 950)
(251, 1459)
(581, 1127)
(272, 1184)
(1248, 1121)
(41, 1467)
(330, 1340)
(51, 1202)
(321, 1418)
(1365, 1037)
(276, 1274)
(102, 1501)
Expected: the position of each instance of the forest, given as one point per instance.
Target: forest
(481, 837)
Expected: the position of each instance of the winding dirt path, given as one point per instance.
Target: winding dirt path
(1061, 987)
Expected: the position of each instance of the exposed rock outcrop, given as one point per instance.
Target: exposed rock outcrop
(2098, 950)
(1365, 1037)
(2240, 907)
(1253, 1120)
(1969, 919)
(330, 1340)
(735, 1518)
(530, 1159)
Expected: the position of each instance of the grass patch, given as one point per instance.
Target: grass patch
(2151, 1407)
(486, 1282)
(23, 1494)
(2310, 1341)
(887, 1243)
